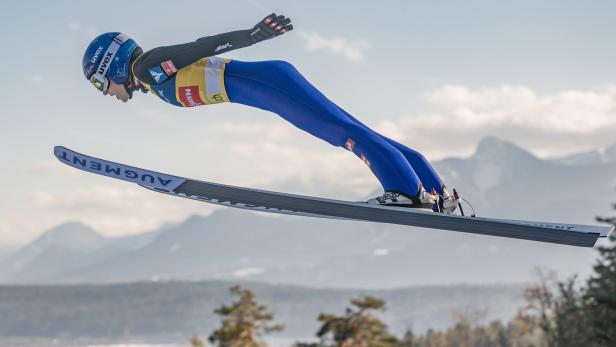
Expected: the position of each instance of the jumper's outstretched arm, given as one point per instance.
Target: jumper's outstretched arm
(187, 53)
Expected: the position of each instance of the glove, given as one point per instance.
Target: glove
(270, 27)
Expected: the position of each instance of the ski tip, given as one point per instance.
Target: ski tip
(59, 149)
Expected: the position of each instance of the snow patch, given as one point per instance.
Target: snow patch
(487, 176)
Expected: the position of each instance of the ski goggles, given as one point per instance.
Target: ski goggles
(100, 80)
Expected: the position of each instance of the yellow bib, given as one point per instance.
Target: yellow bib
(200, 83)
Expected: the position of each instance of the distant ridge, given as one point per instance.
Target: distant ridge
(169, 309)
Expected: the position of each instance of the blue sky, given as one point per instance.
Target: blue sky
(538, 73)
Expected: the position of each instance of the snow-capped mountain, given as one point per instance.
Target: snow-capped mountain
(503, 180)
(57, 249)
(595, 157)
(7, 250)
(500, 180)
(65, 247)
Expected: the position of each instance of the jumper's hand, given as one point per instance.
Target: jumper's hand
(270, 27)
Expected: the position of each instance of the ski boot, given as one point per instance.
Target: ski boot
(424, 200)
(448, 202)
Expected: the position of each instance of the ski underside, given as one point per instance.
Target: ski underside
(281, 203)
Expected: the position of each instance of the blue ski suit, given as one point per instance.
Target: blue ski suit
(191, 75)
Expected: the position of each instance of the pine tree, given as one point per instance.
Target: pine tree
(570, 317)
(244, 322)
(608, 220)
(356, 328)
(583, 317)
(600, 296)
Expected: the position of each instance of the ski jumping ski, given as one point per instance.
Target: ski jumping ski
(282, 203)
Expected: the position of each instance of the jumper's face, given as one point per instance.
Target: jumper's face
(118, 90)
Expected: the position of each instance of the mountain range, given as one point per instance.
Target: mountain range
(500, 179)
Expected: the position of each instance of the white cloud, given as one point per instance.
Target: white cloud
(54, 167)
(323, 172)
(380, 252)
(569, 112)
(7, 229)
(36, 78)
(554, 124)
(351, 50)
(43, 198)
(77, 27)
(281, 157)
(268, 130)
(118, 211)
(15, 231)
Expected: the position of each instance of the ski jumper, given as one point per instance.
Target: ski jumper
(191, 74)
